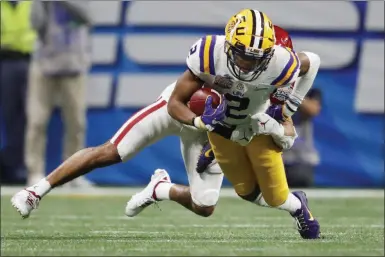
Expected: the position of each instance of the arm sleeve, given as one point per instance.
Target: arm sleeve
(303, 85)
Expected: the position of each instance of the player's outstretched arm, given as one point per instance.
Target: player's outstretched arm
(185, 87)
(83, 162)
(310, 63)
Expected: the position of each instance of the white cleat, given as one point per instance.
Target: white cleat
(145, 198)
(25, 202)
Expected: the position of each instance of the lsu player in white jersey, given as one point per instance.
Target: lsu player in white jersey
(295, 203)
(246, 67)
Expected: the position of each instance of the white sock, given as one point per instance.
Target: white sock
(261, 201)
(162, 191)
(292, 203)
(41, 188)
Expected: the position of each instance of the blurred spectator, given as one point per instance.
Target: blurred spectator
(17, 42)
(58, 71)
(302, 158)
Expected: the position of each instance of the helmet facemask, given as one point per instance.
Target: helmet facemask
(247, 65)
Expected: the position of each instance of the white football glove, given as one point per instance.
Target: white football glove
(242, 135)
(264, 124)
(285, 142)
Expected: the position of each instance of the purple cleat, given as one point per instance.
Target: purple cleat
(307, 225)
(205, 158)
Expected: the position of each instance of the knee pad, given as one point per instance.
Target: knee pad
(206, 198)
(246, 188)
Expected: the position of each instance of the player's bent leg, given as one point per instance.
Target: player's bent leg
(267, 163)
(203, 193)
(253, 196)
(234, 163)
(161, 188)
(202, 207)
(143, 128)
(204, 186)
(205, 189)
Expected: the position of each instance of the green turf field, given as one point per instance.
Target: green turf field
(97, 226)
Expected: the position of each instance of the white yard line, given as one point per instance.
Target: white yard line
(118, 232)
(289, 225)
(344, 250)
(225, 192)
(69, 218)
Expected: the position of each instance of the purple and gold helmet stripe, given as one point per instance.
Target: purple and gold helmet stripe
(289, 70)
(262, 30)
(254, 21)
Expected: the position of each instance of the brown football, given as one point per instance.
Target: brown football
(198, 100)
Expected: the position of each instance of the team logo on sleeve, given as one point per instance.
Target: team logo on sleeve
(280, 95)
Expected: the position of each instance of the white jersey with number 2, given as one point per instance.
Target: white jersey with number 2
(208, 61)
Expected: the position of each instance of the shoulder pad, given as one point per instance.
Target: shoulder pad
(201, 57)
(289, 66)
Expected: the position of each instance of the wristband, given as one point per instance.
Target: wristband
(197, 121)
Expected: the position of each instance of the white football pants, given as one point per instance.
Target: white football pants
(153, 123)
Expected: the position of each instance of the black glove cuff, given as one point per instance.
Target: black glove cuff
(223, 130)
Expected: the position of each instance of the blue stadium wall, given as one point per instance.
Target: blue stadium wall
(348, 132)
